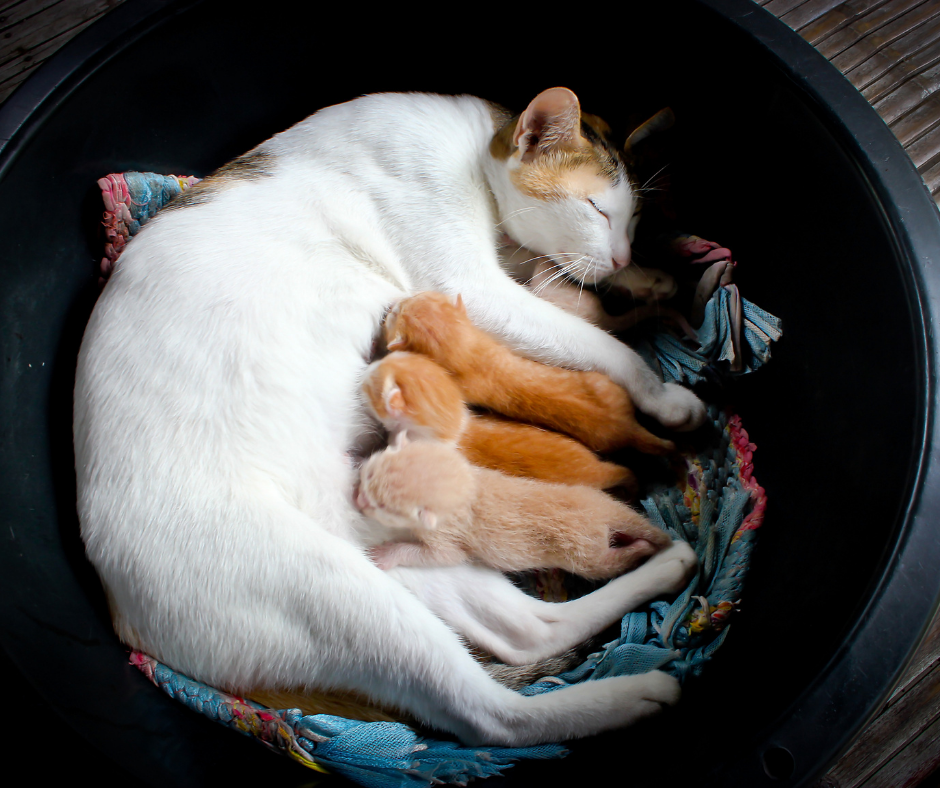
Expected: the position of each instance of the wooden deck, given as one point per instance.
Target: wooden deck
(890, 51)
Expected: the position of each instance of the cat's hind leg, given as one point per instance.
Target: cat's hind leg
(487, 609)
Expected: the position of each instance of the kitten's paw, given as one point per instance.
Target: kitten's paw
(646, 284)
(385, 556)
(671, 569)
(678, 408)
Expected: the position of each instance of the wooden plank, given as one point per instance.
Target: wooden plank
(838, 18)
(910, 44)
(864, 25)
(931, 178)
(51, 22)
(35, 37)
(911, 127)
(919, 69)
(914, 764)
(808, 13)
(893, 33)
(10, 85)
(780, 7)
(14, 69)
(912, 713)
(17, 12)
(927, 655)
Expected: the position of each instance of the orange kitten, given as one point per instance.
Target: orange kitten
(453, 512)
(411, 393)
(588, 406)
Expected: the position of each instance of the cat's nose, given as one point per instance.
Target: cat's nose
(620, 254)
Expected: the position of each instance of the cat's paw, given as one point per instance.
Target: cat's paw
(678, 408)
(645, 695)
(670, 570)
(661, 688)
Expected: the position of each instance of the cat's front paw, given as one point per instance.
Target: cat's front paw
(678, 408)
(671, 569)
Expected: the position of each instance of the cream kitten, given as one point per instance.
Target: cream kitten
(458, 512)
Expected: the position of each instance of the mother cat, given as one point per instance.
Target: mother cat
(216, 409)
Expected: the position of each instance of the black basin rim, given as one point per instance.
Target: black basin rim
(911, 596)
(909, 589)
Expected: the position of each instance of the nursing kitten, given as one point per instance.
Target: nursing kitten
(549, 281)
(216, 408)
(412, 394)
(587, 406)
(458, 512)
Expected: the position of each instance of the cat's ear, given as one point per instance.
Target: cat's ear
(551, 121)
(458, 302)
(397, 342)
(662, 120)
(427, 519)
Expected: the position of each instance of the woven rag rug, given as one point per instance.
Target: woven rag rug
(715, 504)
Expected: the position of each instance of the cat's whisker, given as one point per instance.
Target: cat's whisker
(560, 273)
(514, 214)
(654, 176)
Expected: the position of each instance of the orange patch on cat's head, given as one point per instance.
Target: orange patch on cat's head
(577, 175)
(559, 150)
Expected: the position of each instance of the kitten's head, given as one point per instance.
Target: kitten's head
(409, 392)
(432, 324)
(565, 191)
(414, 484)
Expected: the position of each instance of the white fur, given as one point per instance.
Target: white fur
(216, 407)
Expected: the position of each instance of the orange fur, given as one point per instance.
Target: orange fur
(587, 406)
(426, 490)
(411, 392)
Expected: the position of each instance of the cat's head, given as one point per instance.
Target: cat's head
(414, 484)
(410, 393)
(563, 188)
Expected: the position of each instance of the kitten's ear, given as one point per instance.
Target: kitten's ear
(427, 519)
(662, 120)
(393, 398)
(458, 302)
(397, 342)
(401, 440)
(551, 121)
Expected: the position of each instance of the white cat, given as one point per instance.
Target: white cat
(216, 408)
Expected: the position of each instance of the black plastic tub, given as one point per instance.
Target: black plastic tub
(780, 159)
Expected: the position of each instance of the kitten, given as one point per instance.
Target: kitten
(216, 409)
(411, 393)
(549, 281)
(459, 512)
(587, 406)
